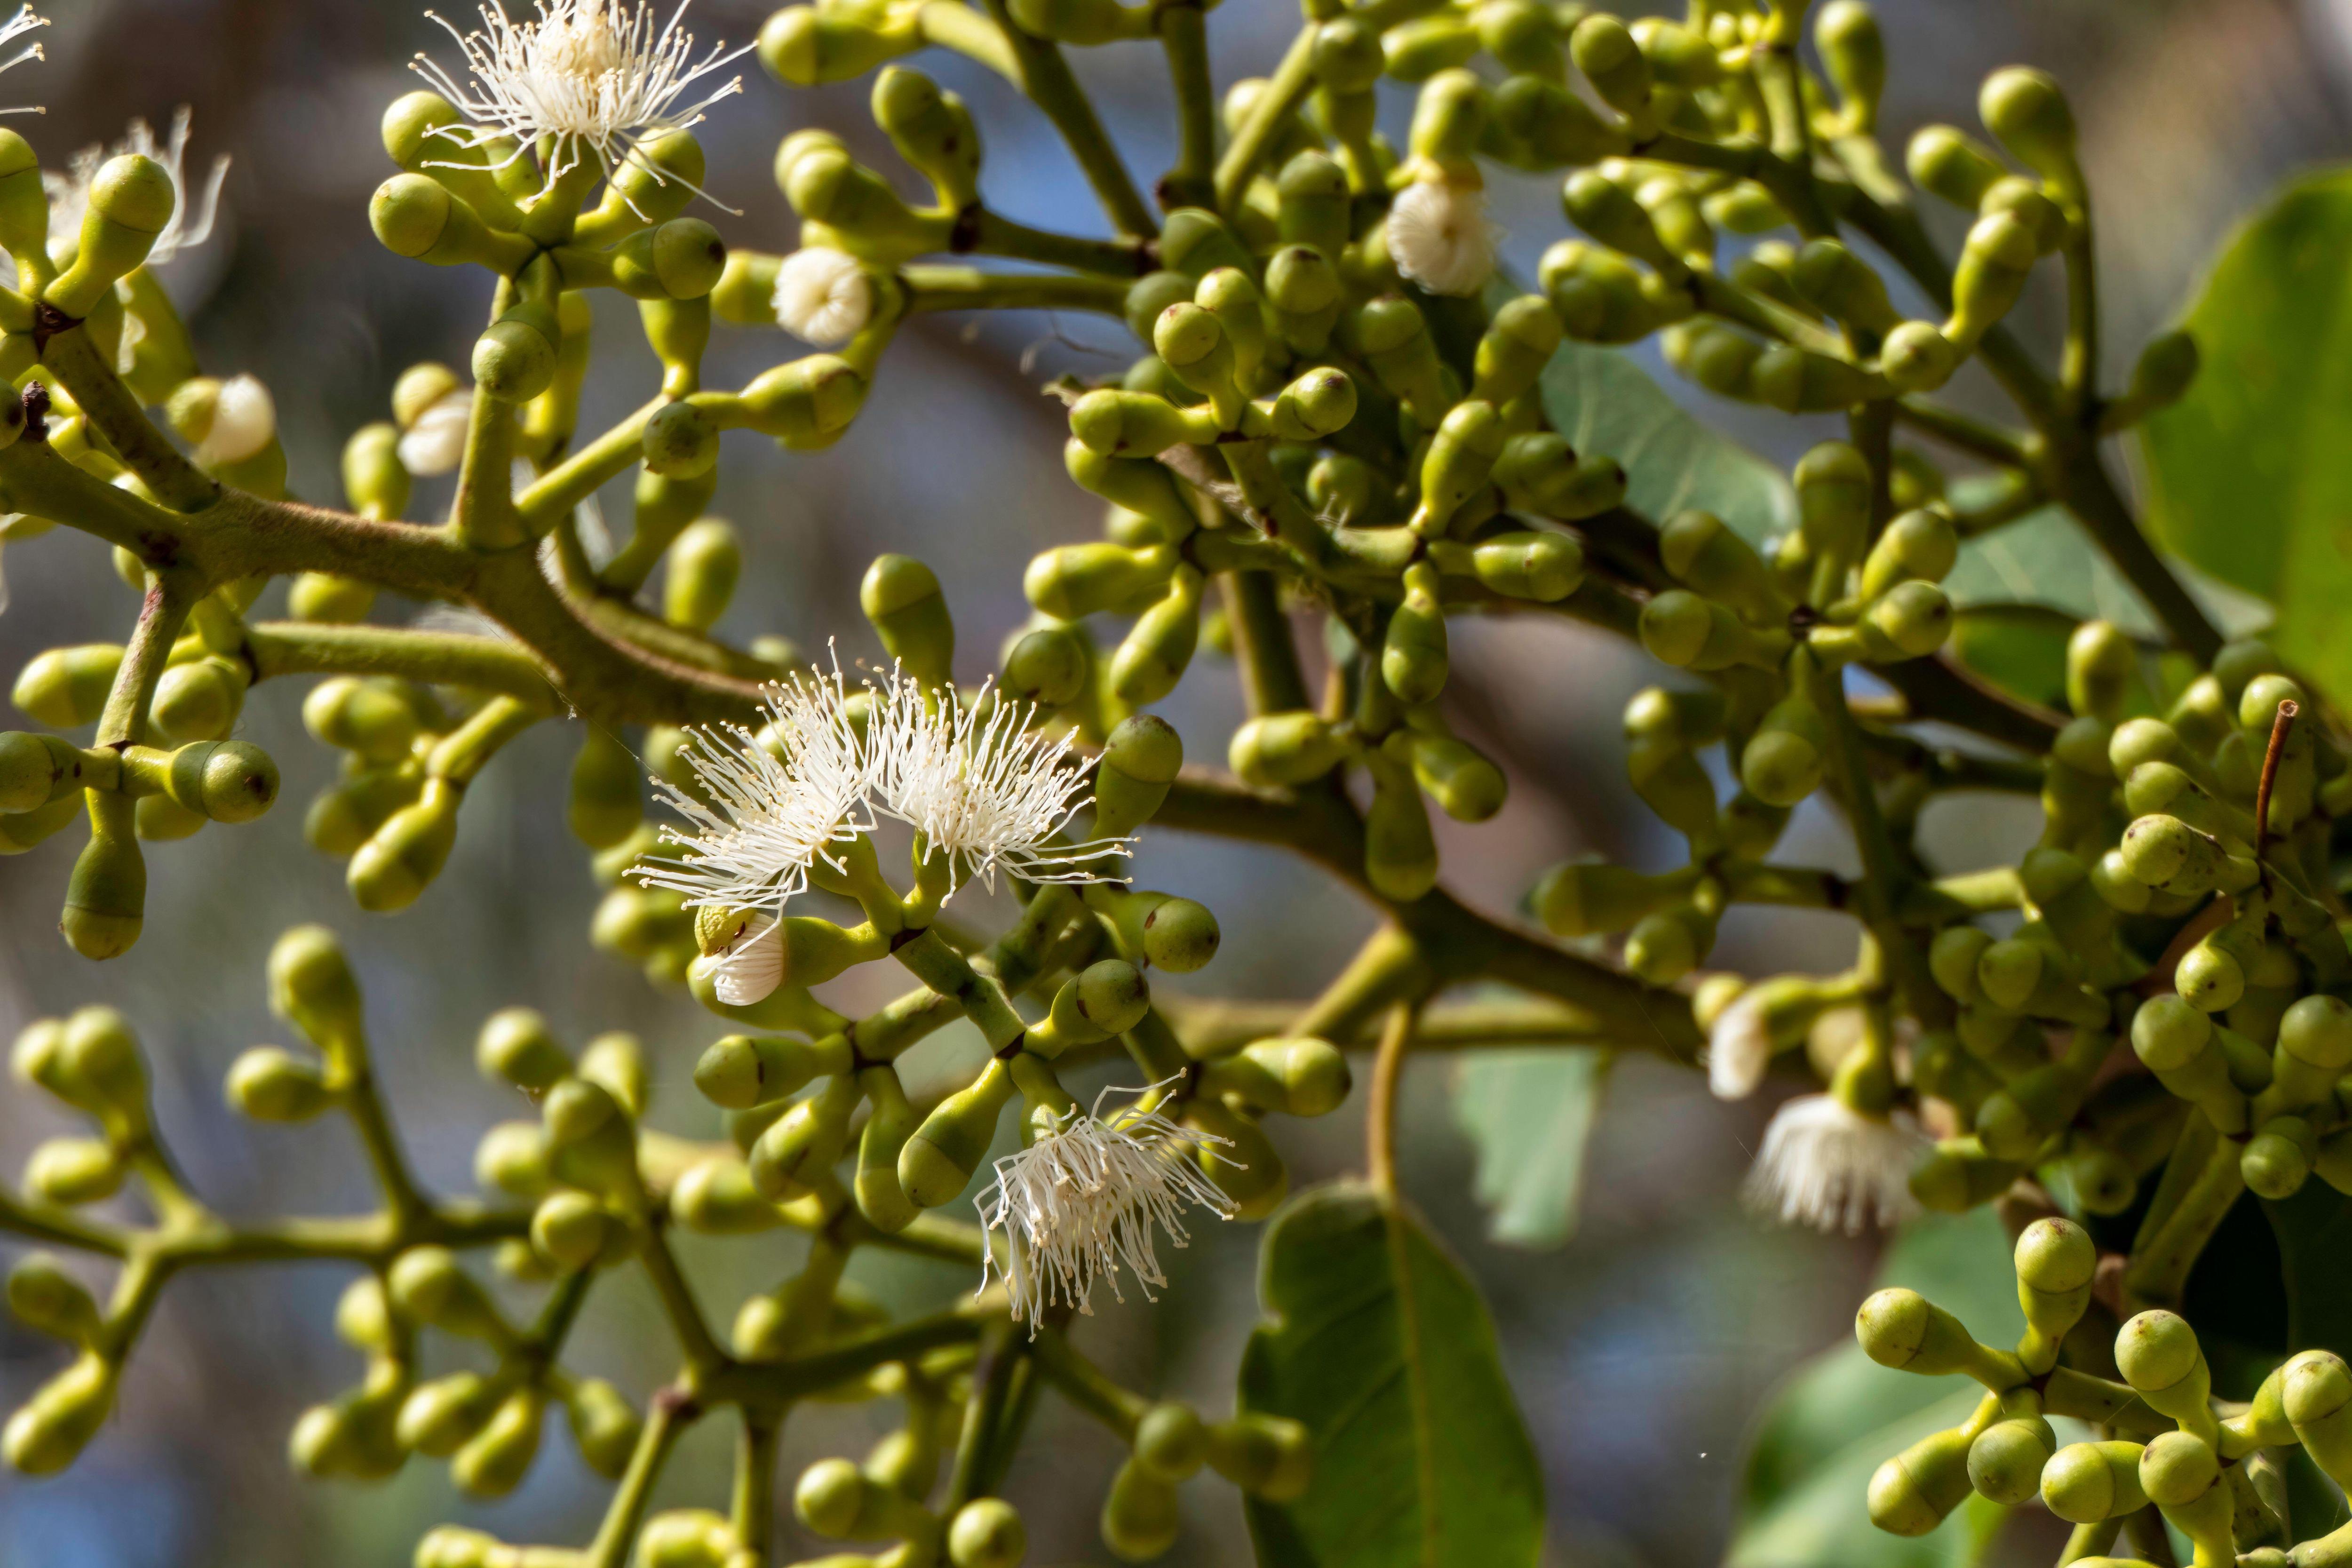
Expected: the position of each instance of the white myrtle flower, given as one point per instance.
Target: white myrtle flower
(823, 296)
(17, 26)
(779, 799)
(1084, 1201)
(244, 420)
(68, 193)
(1739, 1047)
(597, 76)
(1439, 237)
(1827, 1165)
(435, 443)
(979, 784)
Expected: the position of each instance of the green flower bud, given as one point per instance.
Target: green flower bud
(1400, 855)
(515, 1047)
(1842, 285)
(1913, 1492)
(2006, 1458)
(615, 1062)
(493, 1460)
(684, 259)
(1832, 484)
(420, 218)
(198, 700)
(1050, 667)
(1608, 212)
(903, 600)
(2156, 1352)
(2177, 1468)
(1459, 458)
(1136, 424)
(1301, 1077)
(428, 1288)
(1312, 219)
(688, 1537)
(1417, 50)
(1079, 580)
(1318, 404)
(514, 358)
(808, 45)
(569, 1229)
(744, 1071)
(1285, 749)
(807, 1140)
(681, 442)
(28, 830)
(1606, 54)
(1584, 898)
(48, 1301)
(2279, 1158)
(1246, 1167)
(453, 1546)
(33, 768)
(370, 718)
(831, 1498)
(1544, 567)
(806, 404)
(2100, 664)
(1413, 659)
(220, 781)
(440, 1417)
(1152, 658)
(66, 687)
(1550, 127)
(1995, 260)
(1681, 629)
(50, 1430)
(1268, 1457)
(1911, 620)
(1915, 357)
(1846, 33)
(1464, 784)
(866, 218)
(603, 806)
(73, 1171)
(1950, 164)
(1958, 1176)
(1539, 472)
(1139, 486)
(1139, 760)
(717, 1198)
(1783, 762)
(892, 1120)
(1919, 545)
(987, 1532)
(1140, 1515)
(2085, 1483)
(1903, 1329)
(273, 1085)
(1672, 785)
(130, 202)
(1395, 341)
(1104, 999)
(512, 1158)
(2159, 378)
(1664, 947)
(1700, 552)
(2210, 977)
(2028, 114)
(394, 866)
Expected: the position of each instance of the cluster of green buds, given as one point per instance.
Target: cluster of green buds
(2208, 1467)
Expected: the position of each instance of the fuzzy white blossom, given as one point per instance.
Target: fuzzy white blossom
(597, 76)
(1738, 1046)
(17, 26)
(1439, 237)
(779, 799)
(192, 219)
(244, 420)
(1827, 1165)
(1088, 1199)
(823, 296)
(980, 785)
(435, 442)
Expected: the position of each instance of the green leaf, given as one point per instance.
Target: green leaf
(2020, 649)
(2315, 1237)
(1530, 1112)
(2246, 476)
(1376, 1340)
(1803, 1502)
(1605, 403)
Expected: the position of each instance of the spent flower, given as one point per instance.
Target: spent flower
(68, 193)
(1439, 236)
(15, 27)
(1826, 1165)
(1086, 1200)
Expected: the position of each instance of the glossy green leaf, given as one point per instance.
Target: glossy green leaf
(1530, 1114)
(1605, 402)
(2246, 474)
(1803, 1502)
(1375, 1340)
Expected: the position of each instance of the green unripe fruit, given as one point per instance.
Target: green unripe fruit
(52, 1427)
(2006, 1459)
(72, 1171)
(493, 1462)
(272, 1084)
(1913, 1492)
(48, 1301)
(2085, 1483)
(1140, 1516)
(987, 1532)
(2028, 114)
(516, 1047)
(66, 687)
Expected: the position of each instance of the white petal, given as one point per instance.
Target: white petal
(1438, 235)
(436, 443)
(753, 969)
(245, 421)
(823, 297)
(1738, 1047)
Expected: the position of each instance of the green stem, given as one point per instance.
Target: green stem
(952, 25)
(2170, 1243)
(1001, 1353)
(940, 288)
(1966, 433)
(1292, 80)
(673, 1412)
(702, 1353)
(991, 233)
(115, 413)
(170, 597)
(1183, 35)
(754, 1514)
(1086, 1385)
(438, 658)
(1045, 76)
(1263, 646)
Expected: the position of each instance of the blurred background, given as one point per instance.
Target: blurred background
(1642, 1350)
